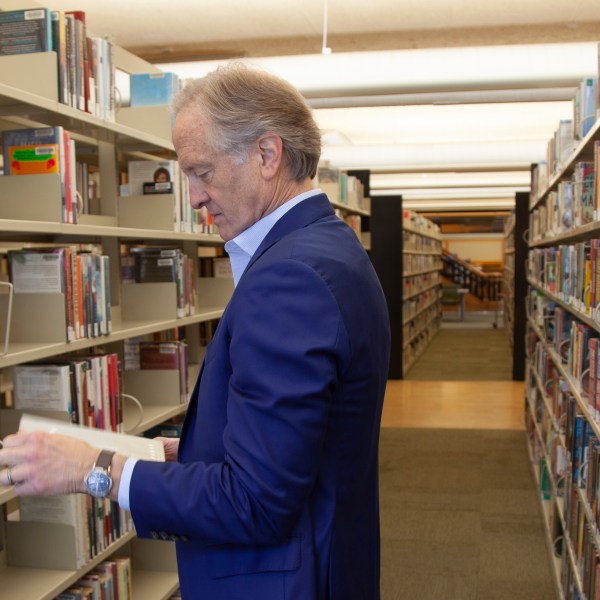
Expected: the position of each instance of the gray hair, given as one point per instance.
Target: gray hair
(243, 103)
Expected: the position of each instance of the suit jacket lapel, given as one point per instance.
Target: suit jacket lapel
(306, 212)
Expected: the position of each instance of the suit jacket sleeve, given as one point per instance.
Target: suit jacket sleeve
(288, 345)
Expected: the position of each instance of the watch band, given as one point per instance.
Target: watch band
(104, 460)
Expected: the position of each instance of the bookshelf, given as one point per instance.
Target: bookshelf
(562, 329)
(349, 194)
(514, 287)
(28, 98)
(409, 268)
(508, 276)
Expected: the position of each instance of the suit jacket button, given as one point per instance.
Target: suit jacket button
(154, 535)
(164, 535)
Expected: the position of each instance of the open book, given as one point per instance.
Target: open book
(128, 445)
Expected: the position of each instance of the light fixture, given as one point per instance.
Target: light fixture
(474, 204)
(448, 181)
(422, 71)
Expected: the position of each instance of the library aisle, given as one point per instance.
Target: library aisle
(460, 516)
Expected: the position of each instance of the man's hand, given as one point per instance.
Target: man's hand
(171, 446)
(45, 464)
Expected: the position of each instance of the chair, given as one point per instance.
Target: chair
(454, 295)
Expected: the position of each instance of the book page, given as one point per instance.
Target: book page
(128, 445)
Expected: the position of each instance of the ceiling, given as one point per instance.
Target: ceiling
(465, 140)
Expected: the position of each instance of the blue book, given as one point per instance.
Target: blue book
(153, 89)
(25, 31)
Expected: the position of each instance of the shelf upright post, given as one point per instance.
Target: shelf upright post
(386, 256)
(520, 284)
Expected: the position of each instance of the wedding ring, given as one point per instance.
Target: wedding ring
(9, 476)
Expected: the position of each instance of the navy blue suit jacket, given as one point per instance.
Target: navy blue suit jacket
(275, 494)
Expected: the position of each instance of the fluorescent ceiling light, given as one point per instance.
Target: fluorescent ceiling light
(423, 70)
(491, 155)
(450, 193)
(449, 180)
(439, 124)
(471, 204)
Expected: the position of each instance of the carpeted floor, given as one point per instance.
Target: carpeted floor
(459, 517)
(465, 354)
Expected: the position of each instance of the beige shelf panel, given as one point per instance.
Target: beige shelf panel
(154, 585)
(153, 387)
(20, 583)
(154, 569)
(155, 212)
(153, 415)
(36, 318)
(156, 120)
(31, 197)
(98, 226)
(19, 352)
(29, 91)
(149, 301)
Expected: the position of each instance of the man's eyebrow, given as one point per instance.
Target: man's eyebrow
(195, 165)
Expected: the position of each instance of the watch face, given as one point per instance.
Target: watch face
(98, 483)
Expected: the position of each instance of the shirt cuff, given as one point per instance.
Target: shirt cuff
(125, 482)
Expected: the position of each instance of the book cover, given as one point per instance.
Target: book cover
(37, 271)
(149, 171)
(43, 387)
(153, 89)
(159, 355)
(155, 264)
(59, 36)
(82, 83)
(32, 151)
(128, 445)
(25, 31)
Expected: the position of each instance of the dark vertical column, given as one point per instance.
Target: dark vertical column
(386, 256)
(520, 284)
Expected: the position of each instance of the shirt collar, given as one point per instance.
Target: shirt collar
(243, 246)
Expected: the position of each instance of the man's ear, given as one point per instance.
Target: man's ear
(270, 154)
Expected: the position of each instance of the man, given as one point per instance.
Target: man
(272, 491)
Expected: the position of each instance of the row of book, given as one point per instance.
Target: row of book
(172, 356)
(567, 453)
(575, 344)
(416, 284)
(93, 523)
(569, 133)
(148, 177)
(413, 306)
(51, 150)
(574, 535)
(78, 272)
(110, 580)
(418, 224)
(420, 321)
(419, 342)
(85, 387)
(417, 243)
(341, 187)
(570, 272)
(87, 390)
(45, 150)
(573, 204)
(85, 64)
(353, 221)
(420, 263)
(147, 264)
